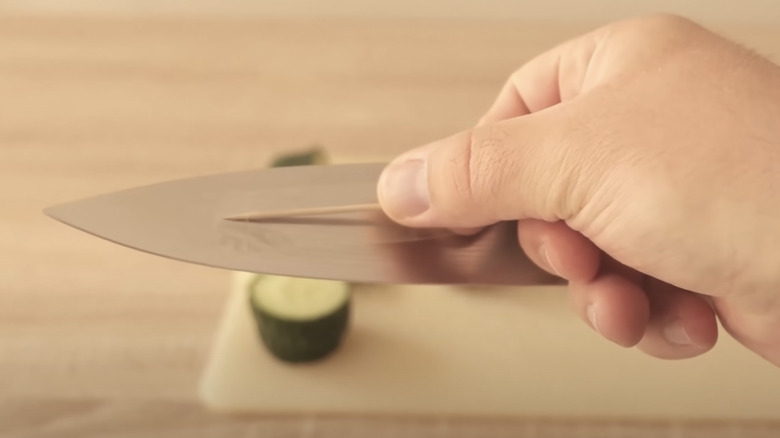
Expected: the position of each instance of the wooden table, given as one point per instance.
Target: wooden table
(100, 340)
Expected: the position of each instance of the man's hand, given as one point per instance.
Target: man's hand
(642, 162)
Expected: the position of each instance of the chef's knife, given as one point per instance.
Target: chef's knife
(231, 221)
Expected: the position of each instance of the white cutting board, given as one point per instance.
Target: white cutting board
(493, 352)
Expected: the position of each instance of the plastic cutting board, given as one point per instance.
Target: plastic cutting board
(480, 353)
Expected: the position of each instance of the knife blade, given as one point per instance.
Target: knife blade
(208, 220)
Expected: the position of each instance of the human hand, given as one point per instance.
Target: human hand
(642, 162)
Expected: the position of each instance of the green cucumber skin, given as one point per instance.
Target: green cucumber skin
(302, 341)
(307, 158)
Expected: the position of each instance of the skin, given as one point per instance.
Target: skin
(642, 163)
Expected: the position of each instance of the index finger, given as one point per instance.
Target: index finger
(553, 77)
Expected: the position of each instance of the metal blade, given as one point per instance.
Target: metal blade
(185, 220)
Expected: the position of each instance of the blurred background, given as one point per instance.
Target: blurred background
(96, 96)
(754, 11)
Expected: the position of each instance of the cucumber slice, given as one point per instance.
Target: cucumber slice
(300, 319)
(313, 156)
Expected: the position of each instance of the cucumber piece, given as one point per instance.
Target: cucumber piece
(313, 156)
(300, 319)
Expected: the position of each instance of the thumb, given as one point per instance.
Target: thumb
(527, 167)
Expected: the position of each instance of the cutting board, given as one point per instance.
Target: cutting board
(498, 352)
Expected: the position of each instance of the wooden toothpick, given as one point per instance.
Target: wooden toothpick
(292, 212)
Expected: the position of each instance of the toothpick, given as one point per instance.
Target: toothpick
(311, 211)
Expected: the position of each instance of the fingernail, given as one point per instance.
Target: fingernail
(404, 188)
(675, 333)
(549, 260)
(591, 313)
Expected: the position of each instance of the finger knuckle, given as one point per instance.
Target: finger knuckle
(661, 24)
(668, 20)
(486, 159)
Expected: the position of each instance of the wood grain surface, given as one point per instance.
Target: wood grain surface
(99, 340)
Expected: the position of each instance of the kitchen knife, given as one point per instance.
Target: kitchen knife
(332, 229)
